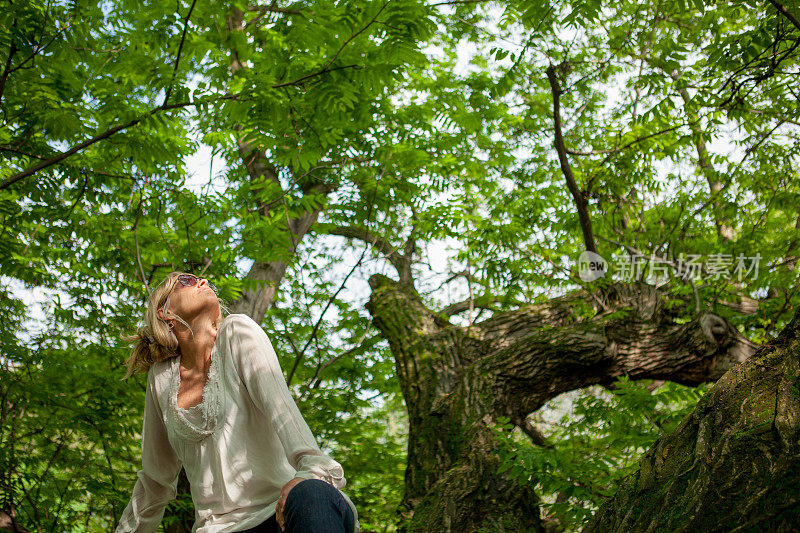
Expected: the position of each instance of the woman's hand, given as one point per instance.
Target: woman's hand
(282, 501)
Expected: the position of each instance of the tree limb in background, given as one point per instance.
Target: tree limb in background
(783, 10)
(381, 245)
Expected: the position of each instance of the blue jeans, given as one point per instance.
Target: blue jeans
(312, 506)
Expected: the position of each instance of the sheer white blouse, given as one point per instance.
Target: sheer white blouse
(239, 446)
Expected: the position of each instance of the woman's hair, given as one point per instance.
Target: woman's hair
(155, 341)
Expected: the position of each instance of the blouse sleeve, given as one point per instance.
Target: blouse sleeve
(157, 480)
(257, 365)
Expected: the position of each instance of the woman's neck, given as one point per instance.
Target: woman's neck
(196, 349)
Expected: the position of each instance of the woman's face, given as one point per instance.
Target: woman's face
(191, 301)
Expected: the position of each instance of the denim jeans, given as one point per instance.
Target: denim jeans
(312, 506)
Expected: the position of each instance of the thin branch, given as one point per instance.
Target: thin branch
(356, 34)
(763, 138)
(63, 155)
(41, 47)
(20, 152)
(136, 242)
(100, 136)
(382, 245)
(163, 107)
(7, 68)
(178, 55)
(326, 68)
(618, 149)
(592, 152)
(287, 189)
(360, 345)
(760, 112)
(299, 81)
(77, 199)
(263, 10)
(313, 335)
(458, 2)
(580, 199)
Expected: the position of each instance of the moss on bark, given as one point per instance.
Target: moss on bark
(733, 464)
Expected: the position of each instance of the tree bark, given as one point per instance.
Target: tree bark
(267, 274)
(733, 464)
(715, 187)
(456, 381)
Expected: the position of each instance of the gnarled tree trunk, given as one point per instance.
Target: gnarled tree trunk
(733, 464)
(457, 380)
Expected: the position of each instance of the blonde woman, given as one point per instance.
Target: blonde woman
(217, 404)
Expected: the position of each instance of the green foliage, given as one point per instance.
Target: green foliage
(89, 231)
(400, 117)
(597, 439)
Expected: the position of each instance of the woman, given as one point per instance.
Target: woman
(217, 404)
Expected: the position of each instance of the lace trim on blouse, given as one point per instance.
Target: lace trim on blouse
(211, 407)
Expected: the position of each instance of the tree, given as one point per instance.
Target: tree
(596, 131)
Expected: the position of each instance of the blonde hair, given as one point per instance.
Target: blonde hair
(155, 341)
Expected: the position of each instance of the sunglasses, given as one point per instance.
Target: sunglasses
(190, 280)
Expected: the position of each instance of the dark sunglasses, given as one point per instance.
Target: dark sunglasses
(190, 280)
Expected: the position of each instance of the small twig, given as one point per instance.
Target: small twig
(136, 242)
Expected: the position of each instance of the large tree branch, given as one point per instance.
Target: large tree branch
(266, 275)
(484, 302)
(522, 358)
(581, 203)
(456, 380)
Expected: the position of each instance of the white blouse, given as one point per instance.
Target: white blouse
(239, 446)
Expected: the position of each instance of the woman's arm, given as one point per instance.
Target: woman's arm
(258, 367)
(157, 480)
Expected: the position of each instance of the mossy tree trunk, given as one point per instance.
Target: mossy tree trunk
(457, 380)
(733, 464)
